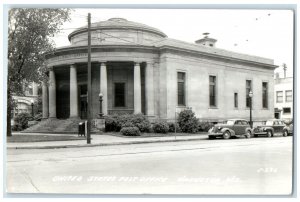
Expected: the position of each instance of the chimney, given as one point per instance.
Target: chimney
(284, 69)
(206, 41)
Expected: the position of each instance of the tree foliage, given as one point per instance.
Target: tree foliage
(29, 39)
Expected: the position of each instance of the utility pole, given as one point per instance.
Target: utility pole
(89, 85)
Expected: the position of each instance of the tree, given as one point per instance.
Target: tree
(29, 39)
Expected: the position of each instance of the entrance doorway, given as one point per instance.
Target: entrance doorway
(277, 115)
(83, 101)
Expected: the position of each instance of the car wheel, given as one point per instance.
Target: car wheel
(285, 133)
(211, 137)
(248, 134)
(269, 133)
(255, 135)
(226, 135)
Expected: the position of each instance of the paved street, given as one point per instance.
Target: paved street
(235, 166)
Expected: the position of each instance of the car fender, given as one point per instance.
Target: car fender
(269, 128)
(249, 129)
(223, 130)
(285, 128)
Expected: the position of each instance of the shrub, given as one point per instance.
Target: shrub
(140, 121)
(111, 123)
(117, 122)
(21, 121)
(160, 127)
(205, 126)
(187, 121)
(172, 127)
(130, 131)
(127, 124)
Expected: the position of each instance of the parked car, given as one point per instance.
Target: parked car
(231, 128)
(288, 129)
(272, 127)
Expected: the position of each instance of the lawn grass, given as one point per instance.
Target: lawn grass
(42, 138)
(118, 134)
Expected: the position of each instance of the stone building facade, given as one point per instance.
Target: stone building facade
(138, 69)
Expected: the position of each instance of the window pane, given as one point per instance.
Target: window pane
(287, 110)
(279, 96)
(265, 95)
(288, 96)
(181, 88)
(119, 94)
(212, 90)
(248, 89)
(235, 100)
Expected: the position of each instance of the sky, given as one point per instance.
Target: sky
(264, 33)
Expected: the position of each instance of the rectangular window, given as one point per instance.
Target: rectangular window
(119, 94)
(248, 89)
(181, 88)
(289, 96)
(212, 91)
(286, 110)
(264, 94)
(279, 96)
(235, 100)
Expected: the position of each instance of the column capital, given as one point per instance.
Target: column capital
(137, 63)
(50, 68)
(152, 63)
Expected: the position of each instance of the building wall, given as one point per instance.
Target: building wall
(231, 78)
(115, 36)
(283, 84)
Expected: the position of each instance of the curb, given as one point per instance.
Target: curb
(101, 144)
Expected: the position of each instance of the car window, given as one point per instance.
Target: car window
(269, 123)
(230, 122)
(245, 123)
(238, 122)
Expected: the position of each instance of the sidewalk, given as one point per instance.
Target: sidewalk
(101, 140)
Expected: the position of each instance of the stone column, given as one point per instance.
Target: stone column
(34, 89)
(149, 89)
(137, 89)
(73, 92)
(45, 100)
(52, 94)
(103, 86)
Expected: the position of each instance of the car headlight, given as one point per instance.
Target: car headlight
(219, 128)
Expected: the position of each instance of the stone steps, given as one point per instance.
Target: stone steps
(57, 126)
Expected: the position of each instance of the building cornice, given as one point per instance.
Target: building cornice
(83, 30)
(216, 56)
(158, 50)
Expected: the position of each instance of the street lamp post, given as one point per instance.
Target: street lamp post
(100, 100)
(250, 99)
(32, 113)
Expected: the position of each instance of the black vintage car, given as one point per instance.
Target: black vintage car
(231, 128)
(272, 127)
